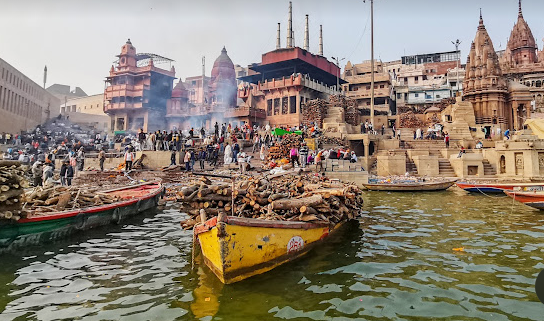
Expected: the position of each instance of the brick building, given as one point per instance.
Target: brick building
(137, 91)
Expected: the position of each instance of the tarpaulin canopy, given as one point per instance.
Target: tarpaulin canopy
(537, 126)
(281, 132)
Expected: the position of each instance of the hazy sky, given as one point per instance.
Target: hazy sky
(78, 40)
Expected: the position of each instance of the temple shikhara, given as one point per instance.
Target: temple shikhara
(502, 86)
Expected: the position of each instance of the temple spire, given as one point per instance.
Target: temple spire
(520, 13)
(481, 25)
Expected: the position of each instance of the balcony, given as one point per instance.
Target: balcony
(245, 112)
(119, 106)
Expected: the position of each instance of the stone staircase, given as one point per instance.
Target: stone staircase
(445, 169)
(411, 167)
(489, 170)
(335, 119)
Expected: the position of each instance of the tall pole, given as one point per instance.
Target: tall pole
(44, 76)
(372, 63)
(290, 26)
(307, 36)
(457, 43)
(278, 40)
(320, 52)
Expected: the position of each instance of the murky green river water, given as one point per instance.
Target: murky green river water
(399, 263)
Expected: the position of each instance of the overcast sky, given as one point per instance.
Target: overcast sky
(78, 40)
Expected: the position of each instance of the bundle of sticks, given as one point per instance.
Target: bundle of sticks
(332, 141)
(352, 113)
(281, 149)
(42, 201)
(410, 120)
(12, 184)
(313, 112)
(283, 197)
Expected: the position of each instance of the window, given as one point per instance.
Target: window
(399, 96)
(416, 95)
(382, 86)
(367, 87)
(293, 104)
(405, 79)
(269, 107)
(437, 96)
(428, 96)
(416, 78)
(424, 77)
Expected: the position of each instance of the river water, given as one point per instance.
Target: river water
(425, 256)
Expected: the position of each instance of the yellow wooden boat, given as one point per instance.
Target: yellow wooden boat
(236, 248)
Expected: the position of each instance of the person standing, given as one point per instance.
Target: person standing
(102, 158)
(294, 156)
(69, 174)
(235, 152)
(303, 154)
(187, 160)
(202, 157)
(80, 158)
(263, 152)
(447, 140)
(129, 158)
(37, 172)
(142, 139)
(63, 168)
(173, 157)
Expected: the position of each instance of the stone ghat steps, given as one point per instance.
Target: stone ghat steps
(445, 168)
(489, 170)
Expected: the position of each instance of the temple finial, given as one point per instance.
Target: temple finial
(520, 13)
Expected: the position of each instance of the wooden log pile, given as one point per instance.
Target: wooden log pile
(281, 149)
(12, 185)
(333, 141)
(352, 113)
(410, 120)
(281, 197)
(41, 201)
(314, 111)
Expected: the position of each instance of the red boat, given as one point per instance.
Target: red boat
(487, 188)
(43, 228)
(533, 199)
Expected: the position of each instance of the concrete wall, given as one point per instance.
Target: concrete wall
(23, 103)
(391, 165)
(469, 164)
(426, 165)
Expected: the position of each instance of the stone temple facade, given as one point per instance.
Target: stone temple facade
(499, 101)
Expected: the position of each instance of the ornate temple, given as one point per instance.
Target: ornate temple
(503, 86)
(218, 103)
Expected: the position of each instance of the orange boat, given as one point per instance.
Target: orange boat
(534, 199)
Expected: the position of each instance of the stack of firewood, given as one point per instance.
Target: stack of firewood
(333, 141)
(313, 112)
(12, 184)
(281, 149)
(283, 197)
(42, 201)
(410, 120)
(352, 113)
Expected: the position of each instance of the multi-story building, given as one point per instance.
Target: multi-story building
(358, 87)
(23, 103)
(421, 81)
(65, 93)
(202, 101)
(88, 110)
(137, 91)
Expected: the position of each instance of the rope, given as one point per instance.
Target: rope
(479, 190)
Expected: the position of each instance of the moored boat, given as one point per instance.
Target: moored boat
(411, 186)
(488, 188)
(46, 227)
(236, 248)
(533, 199)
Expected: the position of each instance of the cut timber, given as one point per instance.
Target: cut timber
(289, 204)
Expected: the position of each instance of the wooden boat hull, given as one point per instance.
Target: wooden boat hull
(41, 229)
(240, 247)
(429, 187)
(499, 188)
(532, 199)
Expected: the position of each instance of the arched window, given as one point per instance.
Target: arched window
(502, 165)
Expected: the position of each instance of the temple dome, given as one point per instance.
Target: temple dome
(223, 66)
(179, 91)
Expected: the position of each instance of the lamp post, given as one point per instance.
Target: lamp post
(371, 61)
(338, 72)
(456, 43)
